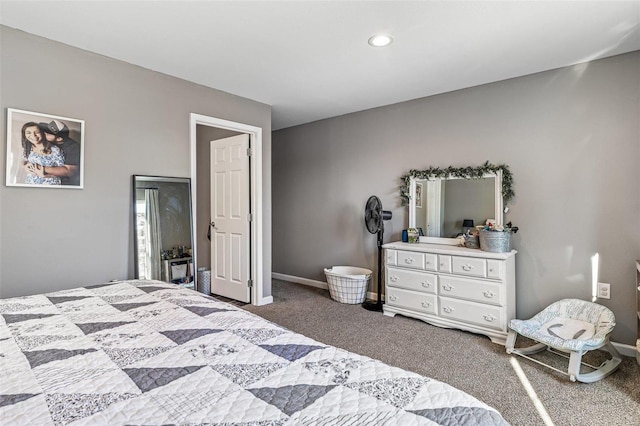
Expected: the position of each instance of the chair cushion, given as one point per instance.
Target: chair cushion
(568, 328)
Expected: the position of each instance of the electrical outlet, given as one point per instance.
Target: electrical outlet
(604, 291)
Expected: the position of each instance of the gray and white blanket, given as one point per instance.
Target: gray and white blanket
(152, 353)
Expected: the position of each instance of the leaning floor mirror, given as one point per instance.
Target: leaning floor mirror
(163, 237)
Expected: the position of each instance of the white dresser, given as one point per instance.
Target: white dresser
(453, 287)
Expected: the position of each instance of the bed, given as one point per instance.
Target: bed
(148, 352)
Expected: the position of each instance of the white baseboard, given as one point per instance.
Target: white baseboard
(300, 280)
(265, 301)
(626, 350)
(313, 283)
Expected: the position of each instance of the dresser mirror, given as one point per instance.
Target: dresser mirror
(444, 202)
(163, 230)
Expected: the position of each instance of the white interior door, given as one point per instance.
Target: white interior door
(230, 227)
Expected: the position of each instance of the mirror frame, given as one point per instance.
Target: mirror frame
(148, 178)
(503, 189)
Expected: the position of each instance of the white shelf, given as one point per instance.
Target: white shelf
(638, 310)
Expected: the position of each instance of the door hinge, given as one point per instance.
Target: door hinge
(250, 283)
(249, 217)
(249, 152)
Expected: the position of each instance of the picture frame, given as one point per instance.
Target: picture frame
(44, 150)
(418, 195)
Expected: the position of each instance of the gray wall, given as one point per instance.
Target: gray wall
(137, 122)
(570, 136)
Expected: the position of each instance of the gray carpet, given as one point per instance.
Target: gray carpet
(469, 362)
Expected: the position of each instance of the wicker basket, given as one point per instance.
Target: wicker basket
(495, 241)
(348, 284)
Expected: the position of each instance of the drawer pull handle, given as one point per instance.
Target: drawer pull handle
(467, 267)
(428, 263)
(393, 278)
(447, 287)
(448, 309)
(393, 297)
(489, 318)
(426, 284)
(488, 294)
(408, 260)
(426, 304)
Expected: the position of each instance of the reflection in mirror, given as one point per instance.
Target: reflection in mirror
(163, 229)
(441, 205)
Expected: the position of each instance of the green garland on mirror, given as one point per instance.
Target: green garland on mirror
(463, 172)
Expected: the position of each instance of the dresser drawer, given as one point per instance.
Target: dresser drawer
(495, 269)
(430, 262)
(444, 263)
(471, 266)
(472, 313)
(412, 280)
(419, 302)
(410, 259)
(474, 290)
(391, 257)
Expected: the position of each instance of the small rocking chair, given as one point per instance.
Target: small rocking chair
(570, 326)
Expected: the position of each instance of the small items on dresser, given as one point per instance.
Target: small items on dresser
(472, 241)
(497, 239)
(470, 234)
(467, 226)
(412, 235)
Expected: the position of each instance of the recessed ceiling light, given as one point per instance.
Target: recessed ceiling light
(380, 40)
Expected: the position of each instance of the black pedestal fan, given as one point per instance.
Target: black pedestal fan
(374, 218)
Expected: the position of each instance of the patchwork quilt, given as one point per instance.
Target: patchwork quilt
(152, 353)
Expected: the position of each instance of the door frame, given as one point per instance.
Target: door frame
(255, 202)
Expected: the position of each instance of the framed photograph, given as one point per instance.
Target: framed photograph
(418, 195)
(44, 150)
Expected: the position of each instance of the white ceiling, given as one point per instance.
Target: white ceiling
(310, 60)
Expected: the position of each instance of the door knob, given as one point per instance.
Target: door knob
(213, 224)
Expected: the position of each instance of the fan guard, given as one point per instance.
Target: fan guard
(372, 214)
